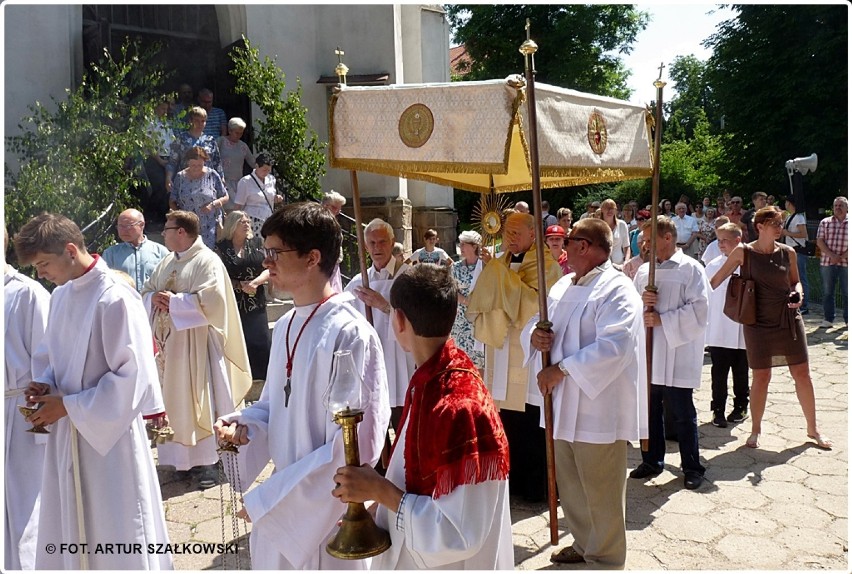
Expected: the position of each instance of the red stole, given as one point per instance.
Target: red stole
(455, 435)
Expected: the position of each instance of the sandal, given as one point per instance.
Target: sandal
(821, 441)
(753, 440)
(566, 556)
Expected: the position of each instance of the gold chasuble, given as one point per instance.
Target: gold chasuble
(500, 305)
(184, 359)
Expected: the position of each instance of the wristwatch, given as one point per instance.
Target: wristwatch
(562, 368)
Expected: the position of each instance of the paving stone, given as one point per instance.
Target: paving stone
(742, 552)
(681, 555)
(741, 521)
(815, 542)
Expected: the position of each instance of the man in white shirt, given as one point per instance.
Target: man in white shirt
(679, 320)
(795, 234)
(687, 230)
(379, 240)
(724, 339)
(599, 390)
(93, 391)
(291, 512)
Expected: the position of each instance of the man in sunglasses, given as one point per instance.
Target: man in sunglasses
(202, 359)
(599, 393)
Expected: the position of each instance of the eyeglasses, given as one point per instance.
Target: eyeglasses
(735, 202)
(272, 254)
(774, 222)
(173, 227)
(569, 239)
(128, 225)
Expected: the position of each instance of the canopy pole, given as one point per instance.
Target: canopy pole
(652, 263)
(528, 49)
(362, 251)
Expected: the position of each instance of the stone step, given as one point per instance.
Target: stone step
(276, 309)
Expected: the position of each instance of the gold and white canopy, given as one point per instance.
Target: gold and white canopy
(475, 135)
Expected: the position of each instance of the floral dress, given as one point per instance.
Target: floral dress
(252, 308)
(193, 194)
(706, 234)
(462, 330)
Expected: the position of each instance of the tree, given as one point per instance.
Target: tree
(284, 131)
(575, 42)
(692, 100)
(83, 154)
(779, 74)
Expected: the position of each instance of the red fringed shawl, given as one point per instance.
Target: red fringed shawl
(455, 435)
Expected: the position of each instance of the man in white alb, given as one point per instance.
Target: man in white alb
(378, 239)
(597, 378)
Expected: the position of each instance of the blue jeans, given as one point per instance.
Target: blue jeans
(686, 423)
(802, 264)
(831, 274)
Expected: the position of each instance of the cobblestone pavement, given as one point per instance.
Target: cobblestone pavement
(783, 506)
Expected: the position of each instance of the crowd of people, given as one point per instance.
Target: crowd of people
(448, 356)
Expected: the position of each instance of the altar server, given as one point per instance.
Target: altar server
(291, 512)
(99, 483)
(445, 500)
(679, 320)
(597, 379)
(25, 302)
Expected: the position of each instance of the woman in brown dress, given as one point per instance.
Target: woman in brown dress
(778, 336)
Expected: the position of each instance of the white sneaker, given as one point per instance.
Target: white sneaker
(826, 324)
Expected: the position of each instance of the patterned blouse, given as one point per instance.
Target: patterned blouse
(462, 330)
(193, 194)
(185, 142)
(244, 268)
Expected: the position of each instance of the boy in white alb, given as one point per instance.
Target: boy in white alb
(291, 512)
(724, 339)
(445, 497)
(98, 470)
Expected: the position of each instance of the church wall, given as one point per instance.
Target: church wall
(42, 52)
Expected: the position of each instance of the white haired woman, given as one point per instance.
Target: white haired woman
(333, 202)
(242, 253)
(466, 271)
(235, 153)
(256, 194)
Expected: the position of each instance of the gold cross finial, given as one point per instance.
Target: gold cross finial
(340, 54)
(527, 28)
(661, 71)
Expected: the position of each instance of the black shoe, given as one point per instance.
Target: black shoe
(737, 415)
(719, 420)
(692, 480)
(208, 476)
(645, 470)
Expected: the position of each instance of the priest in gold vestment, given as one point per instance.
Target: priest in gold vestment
(504, 299)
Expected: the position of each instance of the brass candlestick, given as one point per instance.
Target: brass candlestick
(358, 537)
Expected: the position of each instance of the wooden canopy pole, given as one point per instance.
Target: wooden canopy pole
(652, 263)
(528, 49)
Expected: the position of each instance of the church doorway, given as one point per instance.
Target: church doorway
(191, 47)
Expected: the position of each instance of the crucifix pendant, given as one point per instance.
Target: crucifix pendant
(287, 393)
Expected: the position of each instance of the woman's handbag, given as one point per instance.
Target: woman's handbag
(740, 302)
